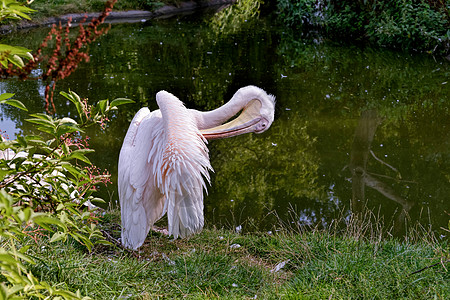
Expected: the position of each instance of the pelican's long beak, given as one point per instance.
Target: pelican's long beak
(244, 123)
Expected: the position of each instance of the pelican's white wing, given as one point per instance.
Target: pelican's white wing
(183, 165)
(141, 202)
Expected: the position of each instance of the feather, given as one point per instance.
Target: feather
(140, 200)
(161, 167)
(184, 161)
(164, 162)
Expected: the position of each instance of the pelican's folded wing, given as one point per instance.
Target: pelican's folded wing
(141, 202)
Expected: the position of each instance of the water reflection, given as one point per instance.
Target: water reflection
(354, 127)
(362, 177)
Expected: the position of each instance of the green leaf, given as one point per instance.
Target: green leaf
(5, 257)
(80, 154)
(18, 161)
(23, 257)
(57, 236)
(67, 120)
(16, 60)
(47, 124)
(75, 99)
(65, 149)
(44, 220)
(14, 50)
(120, 101)
(15, 10)
(96, 201)
(25, 214)
(23, 15)
(22, 142)
(4, 173)
(5, 96)
(42, 122)
(102, 105)
(67, 128)
(72, 170)
(82, 239)
(42, 117)
(50, 129)
(15, 103)
(25, 249)
(35, 141)
(9, 53)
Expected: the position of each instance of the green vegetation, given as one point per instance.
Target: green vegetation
(421, 25)
(51, 246)
(350, 263)
(405, 24)
(234, 18)
(11, 9)
(45, 183)
(50, 8)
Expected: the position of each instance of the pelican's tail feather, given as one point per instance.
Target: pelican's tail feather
(185, 208)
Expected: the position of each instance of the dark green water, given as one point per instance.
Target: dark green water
(353, 125)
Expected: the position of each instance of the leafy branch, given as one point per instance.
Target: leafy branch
(45, 185)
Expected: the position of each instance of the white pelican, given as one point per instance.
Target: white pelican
(164, 160)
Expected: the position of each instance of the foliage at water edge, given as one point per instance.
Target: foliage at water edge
(421, 25)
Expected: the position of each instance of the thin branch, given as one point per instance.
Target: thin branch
(118, 244)
(431, 266)
(384, 163)
(392, 178)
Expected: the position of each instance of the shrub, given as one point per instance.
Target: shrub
(406, 24)
(44, 186)
(409, 25)
(304, 12)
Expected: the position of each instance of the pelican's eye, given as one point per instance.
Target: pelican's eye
(262, 126)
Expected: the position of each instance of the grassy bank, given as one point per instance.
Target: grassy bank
(289, 263)
(412, 25)
(51, 8)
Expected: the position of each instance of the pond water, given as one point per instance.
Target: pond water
(354, 126)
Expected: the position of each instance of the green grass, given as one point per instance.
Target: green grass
(320, 264)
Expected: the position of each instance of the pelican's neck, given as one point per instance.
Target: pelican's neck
(218, 116)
